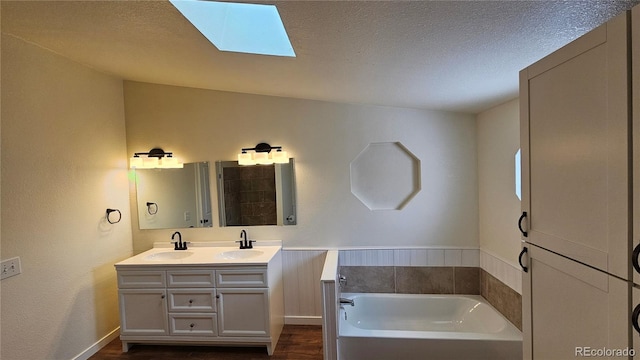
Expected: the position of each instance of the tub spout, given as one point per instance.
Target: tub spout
(346, 301)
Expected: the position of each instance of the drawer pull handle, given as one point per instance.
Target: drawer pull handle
(634, 318)
(634, 258)
(192, 325)
(522, 217)
(524, 251)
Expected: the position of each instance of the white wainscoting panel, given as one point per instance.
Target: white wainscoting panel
(302, 270)
(330, 295)
(410, 257)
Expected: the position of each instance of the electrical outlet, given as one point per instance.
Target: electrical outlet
(10, 267)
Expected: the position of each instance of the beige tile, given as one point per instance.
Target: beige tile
(506, 300)
(466, 280)
(424, 280)
(368, 279)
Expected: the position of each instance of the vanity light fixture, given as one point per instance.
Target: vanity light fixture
(156, 158)
(262, 155)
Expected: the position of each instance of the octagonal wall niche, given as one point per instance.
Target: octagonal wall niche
(385, 176)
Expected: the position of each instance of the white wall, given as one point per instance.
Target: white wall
(498, 142)
(63, 165)
(323, 137)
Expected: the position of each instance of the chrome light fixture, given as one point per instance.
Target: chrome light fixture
(262, 155)
(156, 158)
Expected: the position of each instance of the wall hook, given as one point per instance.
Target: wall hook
(152, 208)
(109, 211)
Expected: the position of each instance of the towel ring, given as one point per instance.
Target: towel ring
(150, 208)
(109, 211)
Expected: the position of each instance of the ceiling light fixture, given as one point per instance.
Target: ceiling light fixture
(262, 155)
(156, 158)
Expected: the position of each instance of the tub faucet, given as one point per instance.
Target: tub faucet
(179, 245)
(346, 301)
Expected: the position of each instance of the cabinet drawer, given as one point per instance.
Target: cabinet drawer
(192, 300)
(128, 279)
(193, 324)
(242, 278)
(191, 278)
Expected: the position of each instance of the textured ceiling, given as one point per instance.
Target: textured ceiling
(444, 55)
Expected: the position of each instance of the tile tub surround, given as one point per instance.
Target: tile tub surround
(502, 297)
(435, 280)
(412, 279)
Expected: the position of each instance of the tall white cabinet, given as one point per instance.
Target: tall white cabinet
(579, 152)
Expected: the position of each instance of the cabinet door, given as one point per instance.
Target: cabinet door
(575, 146)
(143, 312)
(243, 312)
(635, 48)
(569, 308)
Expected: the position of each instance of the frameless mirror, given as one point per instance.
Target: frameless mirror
(256, 195)
(174, 198)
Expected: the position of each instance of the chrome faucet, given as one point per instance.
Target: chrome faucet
(245, 243)
(346, 301)
(179, 245)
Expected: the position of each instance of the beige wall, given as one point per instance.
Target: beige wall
(498, 142)
(63, 164)
(204, 125)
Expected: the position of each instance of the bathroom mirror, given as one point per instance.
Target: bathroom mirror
(257, 194)
(174, 198)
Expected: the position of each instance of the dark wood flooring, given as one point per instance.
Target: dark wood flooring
(297, 342)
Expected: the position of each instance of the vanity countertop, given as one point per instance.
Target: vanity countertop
(203, 255)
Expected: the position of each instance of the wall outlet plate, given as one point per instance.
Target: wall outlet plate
(10, 267)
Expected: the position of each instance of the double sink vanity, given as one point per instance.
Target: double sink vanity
(207, 294)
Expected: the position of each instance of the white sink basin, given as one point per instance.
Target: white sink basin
(169, 255)
(239, 254)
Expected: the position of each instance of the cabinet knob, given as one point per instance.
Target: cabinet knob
(190, 301)
(217, 296)
(192, 325)
(162, 296)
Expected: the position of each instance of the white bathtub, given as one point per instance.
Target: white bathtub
(405, 327)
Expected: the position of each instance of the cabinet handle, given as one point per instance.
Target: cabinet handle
(524, 251)
(524, 215)
(634, 258)
(634, 318)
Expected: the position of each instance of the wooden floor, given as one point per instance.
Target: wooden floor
(296, 343)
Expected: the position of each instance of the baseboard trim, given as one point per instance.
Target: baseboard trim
(303, 320)
(85, 355)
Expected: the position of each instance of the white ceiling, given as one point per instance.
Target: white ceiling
(459, 56)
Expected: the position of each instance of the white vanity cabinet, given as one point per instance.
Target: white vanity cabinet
(142, 297)
(206, 304)
(244, 302)
(191, 302)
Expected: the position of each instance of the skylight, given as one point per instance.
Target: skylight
(236, 27)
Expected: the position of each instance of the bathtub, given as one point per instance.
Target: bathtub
(407, 327)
